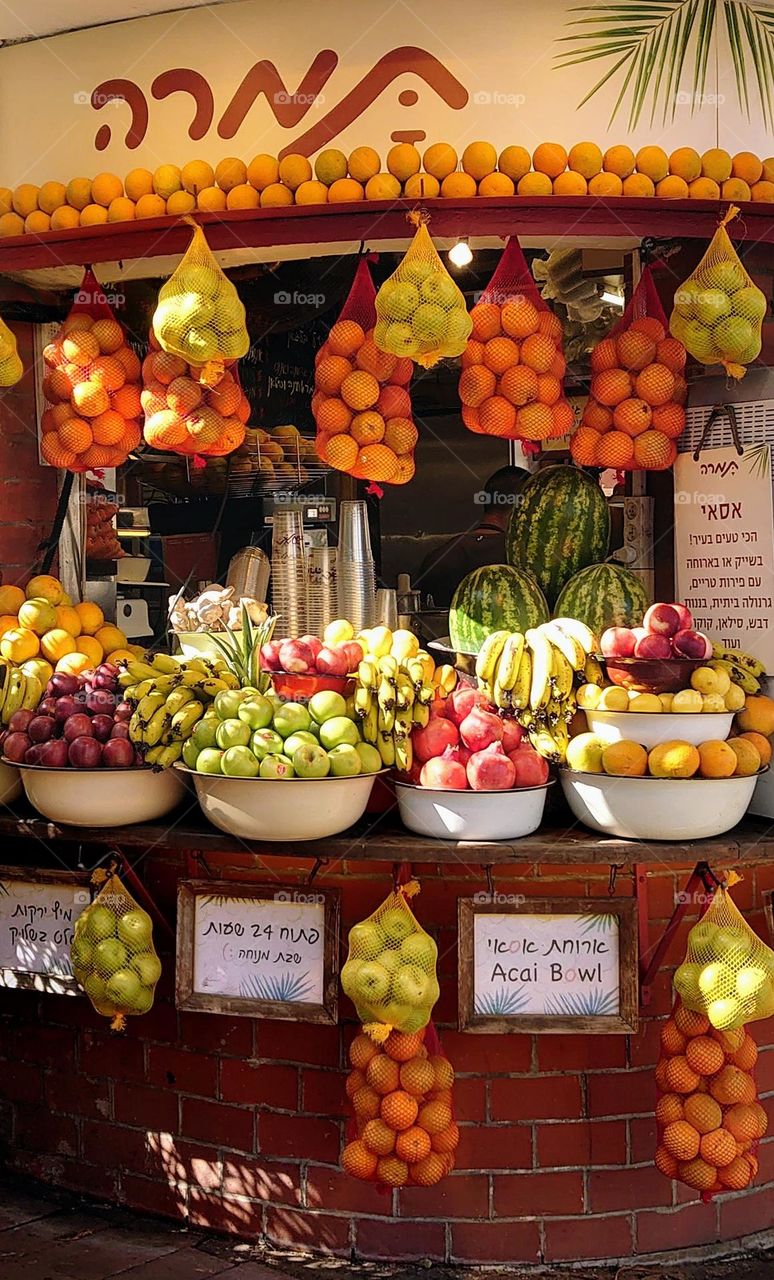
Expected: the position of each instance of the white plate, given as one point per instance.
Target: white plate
(657, 808)
(102, 797)
(292, 809)
(471, 815)
(650, 728)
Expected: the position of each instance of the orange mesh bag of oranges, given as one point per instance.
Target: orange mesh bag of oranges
(199, 315)
(512, 367)
(11, 367)
(728, 972)
(709, 1120)
(390, 971)
(718, 311)
(361, 402)
(92, 388)
(113, 955)
(635, 410)
(403, 1131)
(420, 311)
(187, 416)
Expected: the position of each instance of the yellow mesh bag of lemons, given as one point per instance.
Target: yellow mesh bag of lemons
(199, 315)
(728, 972)
(113, 955)
(718, 311)
(11, 367)
(420, 311)
(390, 973)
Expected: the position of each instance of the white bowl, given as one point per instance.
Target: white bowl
(657, 808)
(133, 568)
(10, 783)
(291, 809)
(471, 815)
(102, 797)
(650, 728)
(199, 644)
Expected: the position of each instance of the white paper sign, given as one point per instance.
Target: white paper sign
(259, 948)
(36, 929)
(546, 965)
(724, 546)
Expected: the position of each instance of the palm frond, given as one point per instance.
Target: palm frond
(285, 988)
(758, 27)
(501, 1004)
(604, 923)
(582, 1004)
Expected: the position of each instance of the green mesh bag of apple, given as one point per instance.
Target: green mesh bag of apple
(728, 972)
(113, 956)
(718, 311)
(420, 312)
(390, 971)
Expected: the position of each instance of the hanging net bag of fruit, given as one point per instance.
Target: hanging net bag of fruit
(361, 402)
(199, 315)
(11, 367)
(112, 953)
(728, 972)
(402, 1131)
(186, 416)
(718, 311)
(92, 388)
(634, 412)
(513, 365)
(709, 1120)
(390, 971)
(421, 312)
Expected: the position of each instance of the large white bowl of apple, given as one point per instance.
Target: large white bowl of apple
(475, 776)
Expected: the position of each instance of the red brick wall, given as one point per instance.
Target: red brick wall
(236, 1125)
(27, 490)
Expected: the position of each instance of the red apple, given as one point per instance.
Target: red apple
(20, 722)
(512, 734)
(531, 768)
(313, 643)
(653, 646)
(296, 657)
(53, 754)
(16, 747)
(480, 729)
(491, 769)
(434, 738)
(355, 653)
(662, 620)
(686, 617)
(40, 728)
(332, 662)
(270, 655)
(691, 644)
(85, 753)
(443, 774)
(78, 726)
(617, 642)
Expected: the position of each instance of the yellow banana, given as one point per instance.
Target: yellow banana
(561, 672)
(415, 669)
(166, 664)
(125, 679)
(155, 729)
(229, 679)
(488, 655)
(135, 729)
(13, 699)
(580, 632)
(33, 692)
(386, 719)
(405, 694)
(367, 674)
(179, 698)
(445, 678)
(570, 648)
(386, 746)
(5, 672)
(421, 713)
(542, 666)
(404, 723)
(510, 660)
(183, 721)
(364, 697)
(592, 671)
(753, 666)
(201, 664)
(141, 670)
(150, 704)
(164, 756)
(388, 666)
(428, 663)
(404, 754)
(165, 684)
(523, 683)
(370, 725)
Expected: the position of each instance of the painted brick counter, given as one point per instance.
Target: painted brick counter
(236, 1125)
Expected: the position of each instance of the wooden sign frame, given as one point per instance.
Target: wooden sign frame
(247, 1007)
(23, 980)
(623, 1023)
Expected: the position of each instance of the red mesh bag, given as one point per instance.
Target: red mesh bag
(512, 367)
(634, 412)
(361, 402)
(92, 388)
(187, 416)
(707, 1110)
(402, 1131)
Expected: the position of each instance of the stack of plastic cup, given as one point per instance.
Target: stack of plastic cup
(355, 573)
(288, 575)
(321, 589)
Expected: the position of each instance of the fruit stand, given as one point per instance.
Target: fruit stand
(322, 922)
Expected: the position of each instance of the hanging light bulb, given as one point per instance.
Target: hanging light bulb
(461, 254)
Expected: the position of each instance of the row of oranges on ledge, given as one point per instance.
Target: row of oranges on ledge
(337, 178)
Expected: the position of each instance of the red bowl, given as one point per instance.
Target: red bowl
(300, 688)
(652, 675)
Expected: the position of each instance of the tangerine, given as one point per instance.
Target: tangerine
(399, 1109)
(655, 383)
(535, 421)
(616, 449)
(392, 1172)
(75, 434)
(583, 446)
(361, 1051)
(743, 1123)
(394, 402)
(632, 416)
(413, 1145)
(597, 416)
(345, 337)
(358, 1161)
(371, 358)
(425, 1173)
(665, 1163)
(672, 1039)
(486, 321)
(549, 388)
(550, 324)
(447, 1140)
(519, 384)
(402, 1046)
(400, 435)
(604, 356)
(496, 416)
(520, 318)
(698, 1174)
(682, 1141)
(732, 1085)
(564, 418)
(549, 158)
(611, 386)
(435, 1116)
(537, 352)
(405, 471)
(333, 416)
(359, 390)
(650, 325)
(746, 1055)
(654, 451)
(341, 452)
(635, 349)
(671, 353)
(378, 1137)
(669, 1108)
(377, 462)
(737, 1175)
(355, 1080)
(705, 1055)
(500, 354)
(680, 1076)
(367, 427)
(669, 419)
(703, 1112)
(478, 382)
(417, 1077)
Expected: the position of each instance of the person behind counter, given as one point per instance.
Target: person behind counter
(444, 568)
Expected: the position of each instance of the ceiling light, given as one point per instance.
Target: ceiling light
(461, 254)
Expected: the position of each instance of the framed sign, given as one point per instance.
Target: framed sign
(258, 951)
(548, 965)
(38, 911)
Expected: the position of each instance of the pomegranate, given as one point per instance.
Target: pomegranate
(461, 702)
(270, 656)
(434, 738)
(512, 734)
(480, 729)
(531, 768)
(443, 775)
(491, 769)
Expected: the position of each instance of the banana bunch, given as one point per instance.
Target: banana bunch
(18, 691)
(743, 668)
(535, 676)
(392, 695)
(169, 697)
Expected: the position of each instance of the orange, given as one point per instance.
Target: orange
(51, 196)
(90, 399)
(166, 367)
(671, 353)
(520, 318)
(496, 416)
(702, 1112)
(500, 354)
(80, 347)
(583, 446)
(732, 1085)
(392, 1172)
(91, 617)
(358, 1161)
(762, 745)
(535, 184)
(730, 1040)
(363, 163)
(519, 384)
(331, 372)
(682, 1141)
(361, 1051)
(405, 470)
(110, 337)
(166, 181)
(417, 1076)
(762, 1118)
(745, 165)
(197, 175)
(355, 1081)
(537, 352)
(619, 160)
(275, 195)
(403, 371)
(514, 161)
(11, 599)
(746, 1055)
(611, 386)
(400, 435)
(686, 163)
(413, 1145)
(718, 1148)
(737, 1175)
(345, 191)
(635, 349)
(479, 159)
(549, 158)
(55, 453)
(55, 644)
(496, 184)
(669, 1109)
(403, 160)
(535, 421)
(91, 648)
(705, 1055)
(458, 186)
(654, 451)
(665, 1163)
(262, 171)
(549, 388)
(435, 1117)
(72, 664)
(653, 162)
(366, 1103)
(760, 192)
(380, 363)
(703, 189)
(367, 428)
(632, 416)
(108, 372)
(660, 1075)
(376, 462)
(126, 401)
(447, 1140)
(12, 225)
(399, 1109)
(184, 395)
(444, 1071)
(752, 1161)
(486, 322)
(655, 383)
(477, 382)
(78, 192)
(698, 1174)
(742, 1122)
(680, 1076)
(333, 416)
(243, 196)
(75, 434)
(672, 1039)
(293, 170)
(638, 184)
(383, 1074)
(550, 324)
(473, 353)
(597, 416)
(345, 337)
(25, 199)
(605, 184)
(341, 452)
(672, 188)
(37, 615)
(585, 158)
(36, 223)
(604, 356)
(425, 1173)
(379, 1137)
(153, 206)
(615, 449)
(440, 159)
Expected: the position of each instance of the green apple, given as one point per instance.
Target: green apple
(296, 740)
(233, 733)
(314, 729)
(344, 761)
(143, 1000)
(716, 980)
(749, 980)
(256, 711)
(687, 985)
(191, 753)
(81, 953)
(277, 767)
(366, 939)
(337, 732)
(370, 760)
(732, 942)
(410, 985)
(265, 742)
(726, 1013)
(204, 731)
(326, 704)
(310, 760)
(396, 923)
(94, 986)
(239, 762)
(371, 984)
(123, 989)
(290, 718)
(135, 928)
(147, 966)
(109, 955)
(390, 959)
(100, 923)
(419, 948)
(349, 974)
(209, 760)
(701, 940)
(228, 702)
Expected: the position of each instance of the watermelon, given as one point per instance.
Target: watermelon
(602, 596)
(560, 524)
(494, 598)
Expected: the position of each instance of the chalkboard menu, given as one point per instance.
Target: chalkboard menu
(278, 377)
(38, 911)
